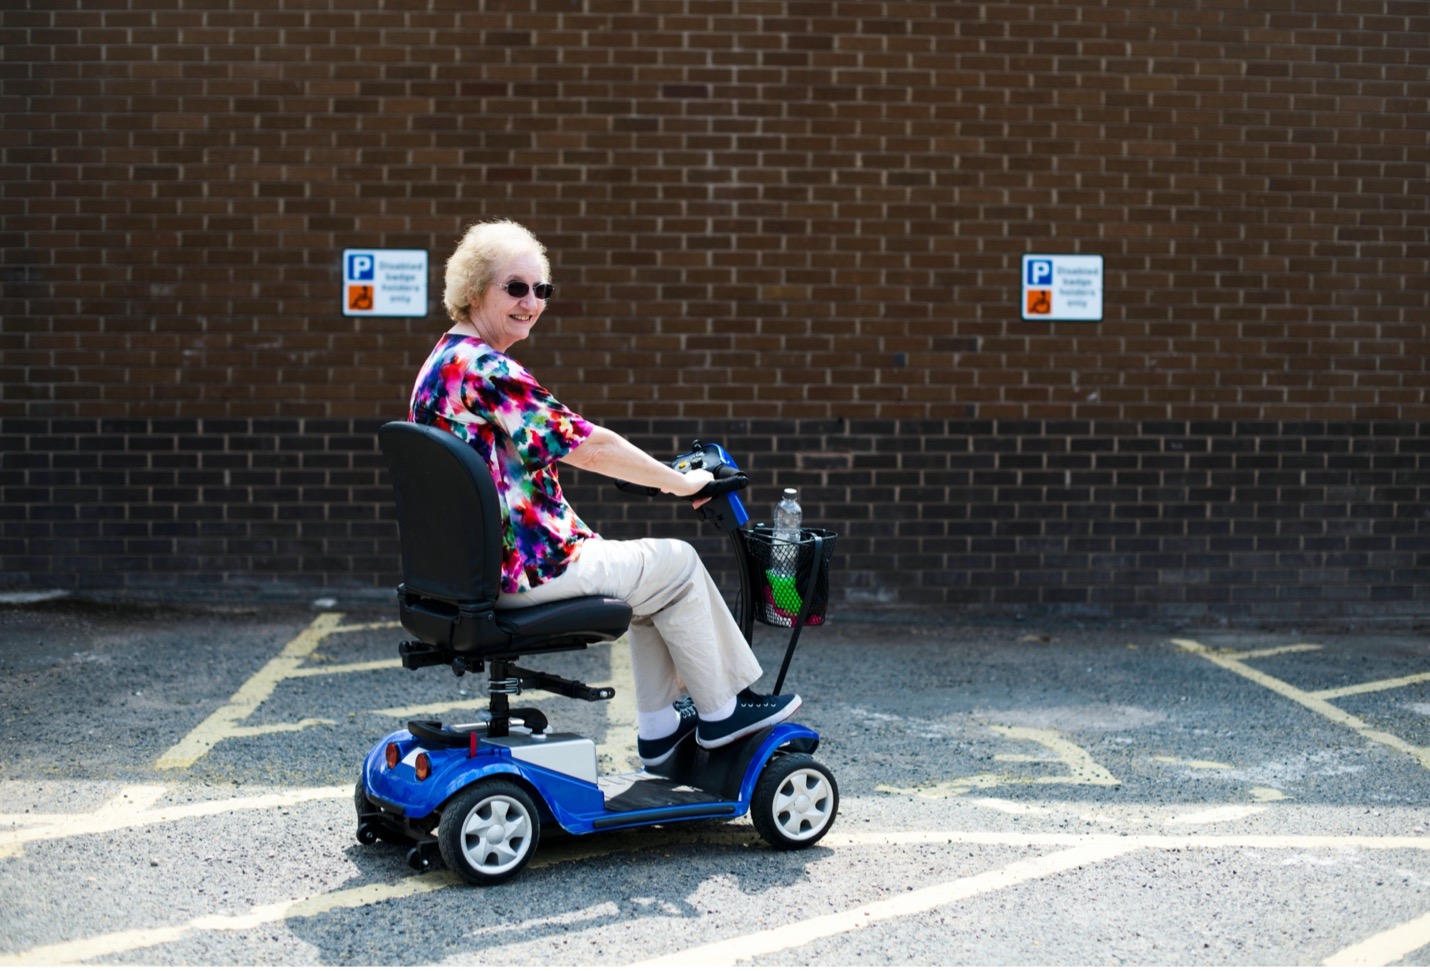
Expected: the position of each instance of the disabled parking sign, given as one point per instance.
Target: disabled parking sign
(385, 283)
(1062, 287)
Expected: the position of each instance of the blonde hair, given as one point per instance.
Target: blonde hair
(484, 247)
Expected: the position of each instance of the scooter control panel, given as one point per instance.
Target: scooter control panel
(725, 511)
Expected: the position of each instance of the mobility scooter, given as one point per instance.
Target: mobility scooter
(479, 794)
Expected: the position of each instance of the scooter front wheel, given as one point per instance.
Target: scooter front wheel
(489, 831)
(795, 801)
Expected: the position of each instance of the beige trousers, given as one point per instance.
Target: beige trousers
(682, 635)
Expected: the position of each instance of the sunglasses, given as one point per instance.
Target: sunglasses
(518, 289)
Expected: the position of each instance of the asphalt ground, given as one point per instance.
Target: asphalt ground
(176, 789)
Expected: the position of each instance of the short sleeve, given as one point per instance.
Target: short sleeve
(541, 429)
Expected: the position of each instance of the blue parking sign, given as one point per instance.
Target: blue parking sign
(361, 266)
(1062, 286)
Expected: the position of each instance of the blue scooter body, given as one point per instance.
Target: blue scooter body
(579, 803)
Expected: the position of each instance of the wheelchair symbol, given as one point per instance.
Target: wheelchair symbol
(360, 298)
(1040, 302)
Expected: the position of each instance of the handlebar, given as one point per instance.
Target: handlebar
(727, 480)
(724, 511)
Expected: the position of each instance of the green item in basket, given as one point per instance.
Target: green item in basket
(784, 593)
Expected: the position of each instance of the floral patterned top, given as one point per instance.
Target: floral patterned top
(478, 393)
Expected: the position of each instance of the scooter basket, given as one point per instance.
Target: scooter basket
(784, 574)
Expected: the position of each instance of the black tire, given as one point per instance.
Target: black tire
(795, 801)
(489, 831)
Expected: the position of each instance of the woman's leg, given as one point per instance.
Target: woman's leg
(682, 635)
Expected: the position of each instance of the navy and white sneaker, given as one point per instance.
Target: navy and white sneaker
(656, 751)
(752, 713)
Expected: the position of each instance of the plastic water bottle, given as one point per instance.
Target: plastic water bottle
(787, 522)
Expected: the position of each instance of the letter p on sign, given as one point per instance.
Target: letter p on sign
(360, 266)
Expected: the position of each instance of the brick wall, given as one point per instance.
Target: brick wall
(793, 225)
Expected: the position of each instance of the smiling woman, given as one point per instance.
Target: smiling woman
(496, 284)
(683, 638)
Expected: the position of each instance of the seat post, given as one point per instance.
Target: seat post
(500, 685)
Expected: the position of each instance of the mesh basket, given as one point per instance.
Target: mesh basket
(781, 572)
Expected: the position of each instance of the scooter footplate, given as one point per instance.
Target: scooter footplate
(652, 800)
(657, 794)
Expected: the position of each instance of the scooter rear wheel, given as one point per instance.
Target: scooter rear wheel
(795, 801)
(489, 831)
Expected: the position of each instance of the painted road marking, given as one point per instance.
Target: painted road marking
(1272, 651)
(1384, 948)
(619, 749)
(1070, 852)
(1217, 814)
(790, 936)
(1308, 699)
(1082, 769)
(354, 668)
(1389, 684)
(375, 625)
(223, 723)
(1191, 763)
(135, 807)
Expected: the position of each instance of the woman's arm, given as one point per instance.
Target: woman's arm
(607, 453)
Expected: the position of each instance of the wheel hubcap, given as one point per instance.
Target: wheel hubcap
(495, 834)
(802, 804)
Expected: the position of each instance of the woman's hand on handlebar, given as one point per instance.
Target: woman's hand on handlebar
(695, 480)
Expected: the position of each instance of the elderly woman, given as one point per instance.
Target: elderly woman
(682, 638)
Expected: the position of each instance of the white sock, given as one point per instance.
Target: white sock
(657, 724)
(721, 713)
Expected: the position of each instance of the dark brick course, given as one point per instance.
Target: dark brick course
(1069, 528)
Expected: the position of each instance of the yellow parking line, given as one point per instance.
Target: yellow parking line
(255, 731)
(119, 942)
(1191, 763)
(1075, 851)
(618, 749)
(1368, 687)
(135, 807)
(357, 667)
(377, 625)
(1308, 699)
(1083, 770)
(787, 937)
(1218, 814)
(223, 723)
(1091, 850)
(104, 945)
(1271, 651)
(1386, 947)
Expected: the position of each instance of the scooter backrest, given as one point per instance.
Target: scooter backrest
(448, 517)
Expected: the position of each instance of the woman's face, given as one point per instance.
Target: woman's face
(502, 319)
